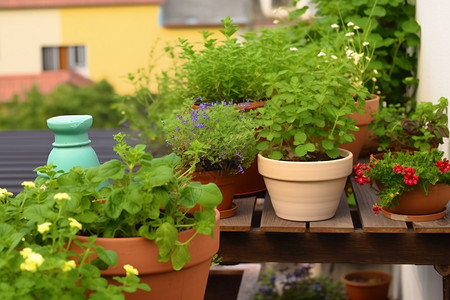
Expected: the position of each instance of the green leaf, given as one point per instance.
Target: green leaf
(112, 169)
(180, 257)
(113, 205)
(411, 26)
(301, 150)
(378, 11)
(107, 256)
(261, 146)
(166, 236)
(276, 155)
(300, 137)
(327, 144)
(207, 195)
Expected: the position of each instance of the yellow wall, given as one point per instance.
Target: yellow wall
(118, 39)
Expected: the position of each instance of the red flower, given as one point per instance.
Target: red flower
(376, 209)
(443, 166)
(397, 169)
(411, 180)
(362, 179)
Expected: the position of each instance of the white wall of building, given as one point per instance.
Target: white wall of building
(23, 33)
(423, 282)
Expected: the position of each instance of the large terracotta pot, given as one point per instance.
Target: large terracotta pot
(362, 121)
(226, 183)
(187, 284)
(415, 202)
(367, 285)
(250, 182)
(306, 191)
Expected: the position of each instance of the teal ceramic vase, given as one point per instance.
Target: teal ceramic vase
(72, 146)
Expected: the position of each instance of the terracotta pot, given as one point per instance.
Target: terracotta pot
(362, 121)
(188, 284)
(367, 285)
(250, 182)
(415, 202)
(226, 183)
(306, 191)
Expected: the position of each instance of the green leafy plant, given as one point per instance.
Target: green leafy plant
(136, 196)
(216, 136)
(35, 261)
(311, 98)
(297, 284)
(37, 107)
(423, 128)
(401, 171)
(393, 30)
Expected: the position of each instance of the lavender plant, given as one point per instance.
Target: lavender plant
(216, 136)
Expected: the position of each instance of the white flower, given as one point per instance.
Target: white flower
(375, 71)
(356, 57)
(367, 58)
(365, 44)
(333, 56)
(43, 187)
(349, 53)
(349, 34)
(356, 27)
(130, 269)
(335, 26)
(276, 21)
(44, 227)
(321, 54)
(69, 265)
(61, 196)
(74, 223)
(374, 79)
(293, 49)
(350, 24)
(28, 184)
(26, 252)
(4, 193)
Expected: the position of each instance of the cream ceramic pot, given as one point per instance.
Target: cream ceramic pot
(306, 191)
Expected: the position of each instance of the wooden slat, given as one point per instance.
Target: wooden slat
(365, 199)
(340, 223)
(242, 220)
(437, 226)
(271, 223)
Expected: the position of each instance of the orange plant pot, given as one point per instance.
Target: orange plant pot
(187, 284)
(226, 183)
(362, 121)
(367, 285)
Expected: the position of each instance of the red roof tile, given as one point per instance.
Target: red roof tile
(46, 82)
(14, 4)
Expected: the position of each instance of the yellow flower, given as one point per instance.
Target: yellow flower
(74, 223)
(32, 261)
(69, 265)
(61, 196)
(5, 193)
(28, 184)
(26, 252)
(44, 227)
(130, 270)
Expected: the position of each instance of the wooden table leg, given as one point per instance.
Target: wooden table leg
(444, 270)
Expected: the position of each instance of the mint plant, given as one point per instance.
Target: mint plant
(307, 115)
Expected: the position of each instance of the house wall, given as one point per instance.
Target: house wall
(118, 39)
(22, 35)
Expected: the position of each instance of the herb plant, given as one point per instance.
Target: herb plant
(423, 128)
(401, 171)
(216, 136)
(307, 115)
(136, 196)
(299, 285)
(35, 262)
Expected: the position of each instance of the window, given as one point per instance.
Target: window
(63, 58)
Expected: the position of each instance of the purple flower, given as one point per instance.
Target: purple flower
(179, 117)
(241, 170)
(247, 102)
(184, 122)
(194, 116)
(200, 125)
(239, 155)
(125, 124)
(177, 129)
(199, 98)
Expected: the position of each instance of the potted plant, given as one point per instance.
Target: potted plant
(421, 129)
(35, 260)
(367, 285)
(141, 214)
(414, 186)
(297, 284)
(215, 142)
(304, 123)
